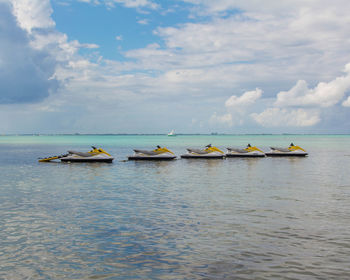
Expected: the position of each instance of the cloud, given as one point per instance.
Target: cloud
(237, 106)
(137, 3)
(243, 45)
(255, 49)
(35, 59)
(346, 103)
(323, 95)
(223, 119)
(143, 21)
(26, 74)
(248, 98)
(283, 117)
(209, 7)
(89, 46)
(33, 14)
(126, 3)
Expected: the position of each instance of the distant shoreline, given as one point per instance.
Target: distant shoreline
(163, 134)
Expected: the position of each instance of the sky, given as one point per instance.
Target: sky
(195, 66)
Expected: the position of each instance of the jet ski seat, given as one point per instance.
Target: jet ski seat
(284, 150)
(82, 154)
(197, 151)
(150, 153)
(242, 151)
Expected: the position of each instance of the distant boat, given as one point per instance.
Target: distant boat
(172, 133)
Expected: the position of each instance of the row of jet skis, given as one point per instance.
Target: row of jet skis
(162, 153)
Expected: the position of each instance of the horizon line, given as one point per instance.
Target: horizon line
(161, 134)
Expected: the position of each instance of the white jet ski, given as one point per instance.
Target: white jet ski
(210, 152)
(249, 151)
(95, 155)
(157, 154)
(291, 151)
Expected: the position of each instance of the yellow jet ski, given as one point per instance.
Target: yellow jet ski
(95, 155)
(208, 153)
(249, 151)
(157, 154)
(291, 151)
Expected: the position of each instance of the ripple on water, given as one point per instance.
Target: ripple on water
(227, 219)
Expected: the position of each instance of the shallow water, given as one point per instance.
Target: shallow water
(265, 218)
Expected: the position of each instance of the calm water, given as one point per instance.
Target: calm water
(267, 218)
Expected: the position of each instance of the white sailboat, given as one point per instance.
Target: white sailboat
(172, 133)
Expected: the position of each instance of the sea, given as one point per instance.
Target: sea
(248, 218)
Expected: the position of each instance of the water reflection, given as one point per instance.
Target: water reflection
(151, 163)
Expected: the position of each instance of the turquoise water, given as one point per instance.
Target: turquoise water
(265, 218)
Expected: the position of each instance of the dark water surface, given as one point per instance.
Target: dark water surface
(267, 218)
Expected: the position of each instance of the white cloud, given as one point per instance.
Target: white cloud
(143, 21)
(32, 14)
(26, 73)
(223, 119)
(248, 98)
(127, 3)
(267, 46)
(119, 38)
(137, 3)
(323, 95)
(89, 46)
(257, 49)
(283, 117)
(238, 107)
(254, 6)
(33, 50)
(346, 103)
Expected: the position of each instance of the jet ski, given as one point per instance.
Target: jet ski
(209, 152)
(95, 155)
(157, 154)
(292, 150)
(249, 151)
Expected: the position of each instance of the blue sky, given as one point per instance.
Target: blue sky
(196, 66)
(101, 25)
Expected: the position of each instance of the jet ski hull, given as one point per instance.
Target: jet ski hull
(108, 160)
(151, 158)
(202, 156)
(246, 155)
(281, 154)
